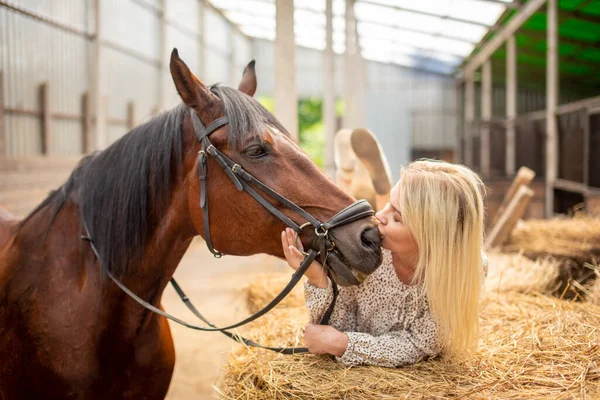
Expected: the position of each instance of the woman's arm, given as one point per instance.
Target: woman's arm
(393, 349)
(318, 290)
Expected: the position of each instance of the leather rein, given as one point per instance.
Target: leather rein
(243, 181)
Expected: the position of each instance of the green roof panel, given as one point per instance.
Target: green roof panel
(593, 8)
(569, 5)
(578, 29)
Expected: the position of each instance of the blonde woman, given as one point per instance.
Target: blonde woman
(424, 299)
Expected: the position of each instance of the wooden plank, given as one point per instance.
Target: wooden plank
(570, 186)
(511, 104)
(286, 91)
(3, 146)
(131, 115)
(486, 116)
(552, 95)
(515, 210)
(36, 163)
(46, 109)
(530, 8)
(523, 178)
(460, 123)
(585, 123)
(329, 91)
(591, 102)
(22, 111)
(86, 124)
(469, 119)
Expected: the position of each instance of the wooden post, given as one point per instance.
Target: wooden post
(202, 42)
(3, 146)
(511, 104)
(131, 115)
(551, 105)
(515, 210)
(163, 56)
(469, 119)
(523, 178)
(349, 68)
(460, 123)
(86, 124)
(329, 91)
(97, 81)
(486, 117)
(46, 110)
(286, 94)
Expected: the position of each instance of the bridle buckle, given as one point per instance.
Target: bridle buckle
(321, 231)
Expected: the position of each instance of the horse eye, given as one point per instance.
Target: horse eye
(256, 151)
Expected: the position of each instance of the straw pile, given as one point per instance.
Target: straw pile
(573, 243)
(576, 238)
(532, 346)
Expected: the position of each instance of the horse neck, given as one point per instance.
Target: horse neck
(165, 250)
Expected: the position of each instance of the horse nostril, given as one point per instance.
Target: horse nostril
(370, 238)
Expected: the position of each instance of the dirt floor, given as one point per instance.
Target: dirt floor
(214, 287)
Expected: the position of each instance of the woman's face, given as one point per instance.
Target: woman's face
(396, 236)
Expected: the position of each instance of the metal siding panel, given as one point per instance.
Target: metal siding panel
(218, 33)
(242, 51)
(217, 68)
(131, 25)
(69, 12)
(185, 13)
(129, 79)
(32, 53)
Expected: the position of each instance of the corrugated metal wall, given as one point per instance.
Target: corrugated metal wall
(33, 52)
(51, 41)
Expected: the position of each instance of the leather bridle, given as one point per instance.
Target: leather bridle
(243, 181)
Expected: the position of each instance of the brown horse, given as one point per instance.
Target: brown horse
(66, 330)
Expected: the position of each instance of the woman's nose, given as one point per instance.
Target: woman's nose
(380, 217)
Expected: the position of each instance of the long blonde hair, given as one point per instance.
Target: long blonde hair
(442, 206)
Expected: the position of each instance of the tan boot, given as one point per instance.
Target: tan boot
(369, 152)
(362, 186)
(344, 158)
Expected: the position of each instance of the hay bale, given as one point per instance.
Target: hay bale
(266, 286)
(576, 238)
(532, 346)
(573, 242)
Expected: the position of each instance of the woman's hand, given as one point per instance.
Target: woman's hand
(325, 339)
(292, 249)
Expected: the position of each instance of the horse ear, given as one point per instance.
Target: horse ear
(193, 92)
(248, 83)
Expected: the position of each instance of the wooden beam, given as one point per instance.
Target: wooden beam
(460, 122)
(3, 135)
(329, 91)
(515, 210)
(523, 178)
(469, 119)
(286, 92)
(349, 67)
(131, 115)
(552, 96)
(530, 8)
(164, 81)
(86, 124)
(511, 104)
(46, 109)
(486, 116)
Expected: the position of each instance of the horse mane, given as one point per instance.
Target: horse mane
(123, 191)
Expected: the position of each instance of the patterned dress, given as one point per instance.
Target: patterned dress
(388, 323)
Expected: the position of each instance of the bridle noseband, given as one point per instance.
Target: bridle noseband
(244, 181)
